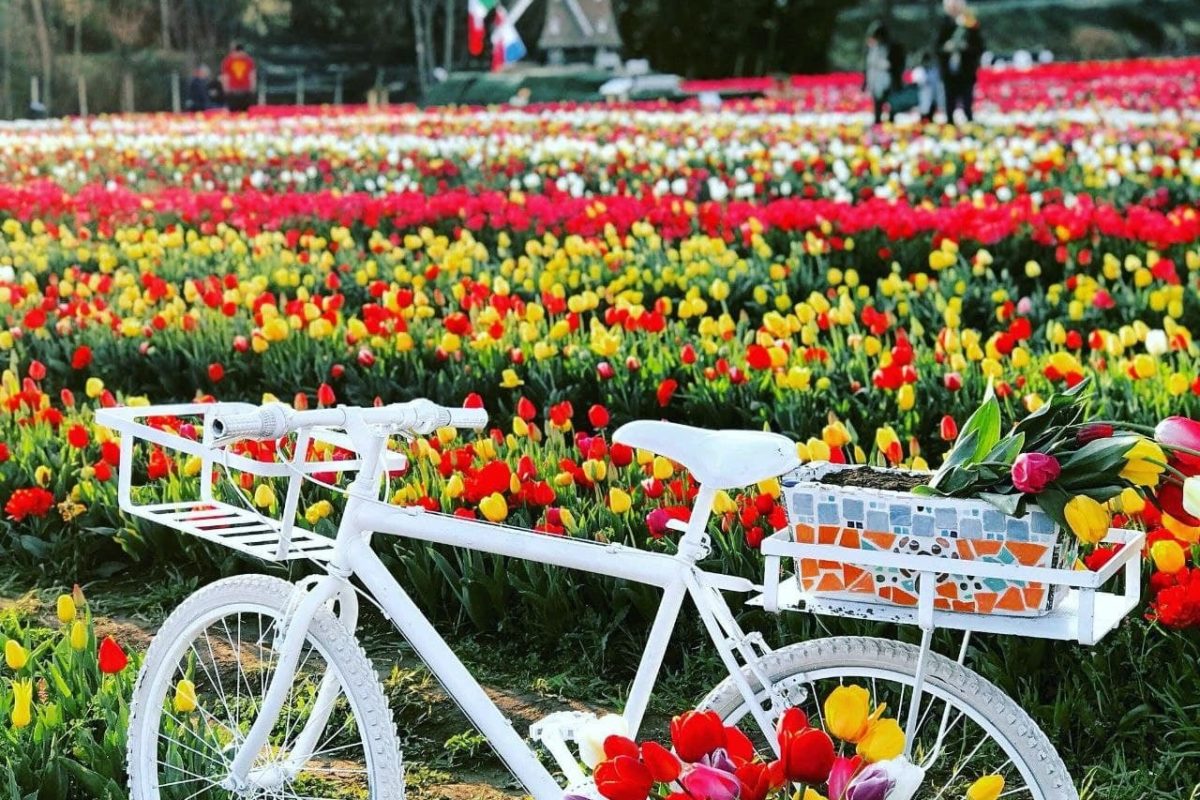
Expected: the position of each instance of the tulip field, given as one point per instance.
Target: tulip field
(571, 268)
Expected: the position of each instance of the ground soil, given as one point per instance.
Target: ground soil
(868, 478)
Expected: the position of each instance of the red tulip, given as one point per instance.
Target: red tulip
(952, 381)
(1169, 498)
(623, 778)
(738, 745)
(807, 755)
(756, 779)
(605, 371)
(688, 354)
(325, 395)
(1093, 431)
(366, 358)
(526, 410)
(598, 416)
(615, 746)
(695, 734)
(82, 357)
(37, 370)
(473, 400)
(216, 372)
(1180, 432)
(621, 455)
(112, 657)
(1032, 472)
(77, 436)
(337, 371)
(948, 429)
(793, 720)
(663, 765)
(666, 390)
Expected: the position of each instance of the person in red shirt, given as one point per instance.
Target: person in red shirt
(239, 78)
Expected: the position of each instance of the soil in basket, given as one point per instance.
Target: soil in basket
(867, 478)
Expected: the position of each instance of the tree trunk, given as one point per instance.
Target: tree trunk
(7, 48)
(448, 37)
(164, 11)
(43, 41)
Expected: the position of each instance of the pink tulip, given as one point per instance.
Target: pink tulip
(1180, 432)
(1032, 472)
(710, 783)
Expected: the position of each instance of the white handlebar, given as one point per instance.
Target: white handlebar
(276, 420)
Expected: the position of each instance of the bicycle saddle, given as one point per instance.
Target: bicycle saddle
(717, 459)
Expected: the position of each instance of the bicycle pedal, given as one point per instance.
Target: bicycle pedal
(561, 726)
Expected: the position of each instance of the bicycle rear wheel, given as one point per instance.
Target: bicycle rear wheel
(201, 685)
(968, 727)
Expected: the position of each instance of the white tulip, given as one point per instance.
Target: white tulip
(592, 736)
(908, 777)
(1156, 342)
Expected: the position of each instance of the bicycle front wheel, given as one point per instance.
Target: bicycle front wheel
(967, 728)
(204, 679)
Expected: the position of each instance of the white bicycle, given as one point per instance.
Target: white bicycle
(257, 688)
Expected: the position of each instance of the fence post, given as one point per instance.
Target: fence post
(262, 90)
(81, 88)
(176, 104)
(299, 87)
(35, 90)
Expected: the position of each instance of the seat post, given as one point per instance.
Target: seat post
(695, 543)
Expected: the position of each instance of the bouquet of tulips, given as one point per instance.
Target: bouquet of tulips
(1078, 471)
(858, 755)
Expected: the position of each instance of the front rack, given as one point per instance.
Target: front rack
(1086, 614)
(206, 517)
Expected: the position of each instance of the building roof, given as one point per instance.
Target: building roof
(580, 23)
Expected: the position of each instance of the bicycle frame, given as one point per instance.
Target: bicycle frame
(364, 516)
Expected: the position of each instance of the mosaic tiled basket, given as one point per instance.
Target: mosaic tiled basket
(900, 522)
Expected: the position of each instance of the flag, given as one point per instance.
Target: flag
(477, 11)
(507, 45)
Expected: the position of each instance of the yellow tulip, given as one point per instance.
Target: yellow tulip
(14, 655)
(264, 496)
(1144, 462)
(847, 713)
(94, 388)
(662, 468)
(65, 609)
(883, 741)
(812, 794)
(22, 710)
(988, 787)
(79, 635)
(1181, 530)
(455, 486)
(619, 500)
(1168, 556)
(185, 697)
(494, 507)
(1087, 519)
(510, 380)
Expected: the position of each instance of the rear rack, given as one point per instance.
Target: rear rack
(205, 517)
(1086, 614)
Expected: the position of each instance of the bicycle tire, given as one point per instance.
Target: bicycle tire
(269, 595)
(970, 692)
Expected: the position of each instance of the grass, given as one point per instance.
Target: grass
(1124, 714)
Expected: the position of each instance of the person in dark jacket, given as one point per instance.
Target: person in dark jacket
(883, 69)
(204, 91)
(959, 49)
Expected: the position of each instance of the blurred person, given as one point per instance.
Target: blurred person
(204, 91)
(927, 77)
(959, 48)
(883, 71)
(239, 78)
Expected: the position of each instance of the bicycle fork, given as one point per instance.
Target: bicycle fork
(293, 629)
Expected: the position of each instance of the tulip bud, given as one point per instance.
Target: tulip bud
(65, 609)
(15, 655)
(79, 635)
(1168, 556)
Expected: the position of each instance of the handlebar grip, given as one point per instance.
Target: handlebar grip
(473, 418)
(268, 422)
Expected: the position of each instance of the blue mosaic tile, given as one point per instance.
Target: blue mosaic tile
(922, 525)
(900, 516)
(877, 521)
(802, 503)
(1041, 524)
(853, 510)
(1018, 529)
(946, 519)
(970, 529)
(993, 521)
(996, 584)
(827, 514)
